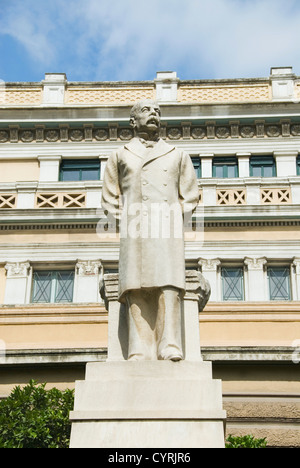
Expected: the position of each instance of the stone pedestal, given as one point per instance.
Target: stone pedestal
(150, 404)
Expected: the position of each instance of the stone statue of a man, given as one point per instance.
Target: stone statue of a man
(158, 188)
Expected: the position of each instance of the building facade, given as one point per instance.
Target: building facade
(243, 136)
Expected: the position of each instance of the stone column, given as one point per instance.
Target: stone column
(87, 280)
(117, 318)
(257, 282)
(210, 269)
(196, 297)
(17, 289)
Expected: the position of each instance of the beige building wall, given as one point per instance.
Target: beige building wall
(19, 170)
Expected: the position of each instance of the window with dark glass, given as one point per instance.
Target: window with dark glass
(197, 166)
(298, 165)
(225, 168)
(279, 283)
(262, 166)
(233, 284)
(72, 170)
(53, 286)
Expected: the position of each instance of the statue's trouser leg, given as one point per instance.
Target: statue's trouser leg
(169, 334)
(154, 322)
(142, 307)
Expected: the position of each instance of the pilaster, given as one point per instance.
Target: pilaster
(286, 163)
(211, 271)
(49, 168)
(206, 165)
(87, 281)
(296, 292)
(244, 164)
(18, 275)
(256, 279)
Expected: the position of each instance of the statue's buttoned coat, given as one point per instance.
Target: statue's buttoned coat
(157, 186)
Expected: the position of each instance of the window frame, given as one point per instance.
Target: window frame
(78, 165)
(241, 279)
(288, 278)
(54, 283)
(225, 162)
(263, 162)
(197, 166)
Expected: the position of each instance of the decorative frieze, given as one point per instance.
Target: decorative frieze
(185, 131)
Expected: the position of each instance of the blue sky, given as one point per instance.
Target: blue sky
(115, 40)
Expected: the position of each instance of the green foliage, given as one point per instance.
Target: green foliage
(32, 417)
(247, 441)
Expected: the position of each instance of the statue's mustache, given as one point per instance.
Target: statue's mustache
(153, 119)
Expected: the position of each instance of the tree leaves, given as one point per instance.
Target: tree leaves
(33, 417)
(247, 441)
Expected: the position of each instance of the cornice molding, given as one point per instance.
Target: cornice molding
(79, 356)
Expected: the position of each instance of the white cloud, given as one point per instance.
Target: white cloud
(132, 39)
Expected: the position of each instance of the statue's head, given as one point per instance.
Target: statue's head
(145, 117)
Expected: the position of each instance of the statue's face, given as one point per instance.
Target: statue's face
(147, 117)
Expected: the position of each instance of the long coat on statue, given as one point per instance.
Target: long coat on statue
(158, 186)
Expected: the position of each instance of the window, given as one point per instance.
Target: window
(53, 286)
(197, 166)
(76, 170)
(298, 165)
(225, 168)
(233, 284)
(279, 283)
(262, 166)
